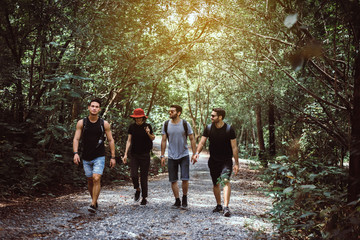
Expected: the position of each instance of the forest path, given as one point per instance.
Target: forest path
(119, 217)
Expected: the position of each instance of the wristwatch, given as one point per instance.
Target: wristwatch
(162, 156)
(76, 153)
(112, 158)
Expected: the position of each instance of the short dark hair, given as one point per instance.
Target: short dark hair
(220, 112)
(144, 119)
(95, 100)
(177, 107)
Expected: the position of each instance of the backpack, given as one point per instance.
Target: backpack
(102, 138)
(184, 125)
(228, 126)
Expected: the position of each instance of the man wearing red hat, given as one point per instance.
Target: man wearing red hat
(140, 137)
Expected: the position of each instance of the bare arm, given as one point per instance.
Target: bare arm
(151, 135)
(199, 148)
(193, 147)
(163, 147)
(76, 141)
(128, 143)
(111, 143)
(235, 152)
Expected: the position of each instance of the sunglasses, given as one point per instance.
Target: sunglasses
(172, 111)
(213, 116)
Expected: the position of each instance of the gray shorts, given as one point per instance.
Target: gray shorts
(173, 168)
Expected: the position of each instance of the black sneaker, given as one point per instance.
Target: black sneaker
(137, 196)
(143, 202)
(92, 209)
(227, 212)
(177, 203)
(96, 206)
(184, 201)
(218, 208)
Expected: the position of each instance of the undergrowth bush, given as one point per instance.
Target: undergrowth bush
(310, 200)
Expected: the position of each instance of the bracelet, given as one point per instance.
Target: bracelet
(197, 153)
(76, 153)
(112, 158)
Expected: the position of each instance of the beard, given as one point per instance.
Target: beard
(215, 120)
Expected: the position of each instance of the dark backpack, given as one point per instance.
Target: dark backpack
(228, 126)
(102, 137)
(184, 125)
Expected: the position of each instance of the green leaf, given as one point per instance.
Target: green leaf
(74, 94)
(308, 186)
(327, 194)
(288, 190)
(307, 214)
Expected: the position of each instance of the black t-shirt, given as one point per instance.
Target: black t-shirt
(92, 134)
(220, 145)
(140, 141)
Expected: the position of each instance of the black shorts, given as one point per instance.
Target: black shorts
(218, 167)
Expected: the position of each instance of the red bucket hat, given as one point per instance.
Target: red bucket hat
(138, 113)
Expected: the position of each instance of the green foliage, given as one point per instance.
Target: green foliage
(33, 164)
(224, 178)
(309, 199)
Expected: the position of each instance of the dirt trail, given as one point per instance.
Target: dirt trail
(119, 217)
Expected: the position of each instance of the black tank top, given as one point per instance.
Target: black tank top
(92, 134)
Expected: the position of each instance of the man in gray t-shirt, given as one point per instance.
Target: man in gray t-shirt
(176, 131)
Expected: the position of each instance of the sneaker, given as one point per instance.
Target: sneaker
(184, 201)
(96, 206)
(218, 208)
(227, 212)
(92, 209)
(143, 202)
(137, 196)
(177, 203)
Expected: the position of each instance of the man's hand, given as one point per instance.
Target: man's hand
(76, 159)
(194, 158)
(112, 162)
(236, 168)
(124, 159)
(163, 161)
(147, 129)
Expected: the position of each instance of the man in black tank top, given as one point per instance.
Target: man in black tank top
(91, 130)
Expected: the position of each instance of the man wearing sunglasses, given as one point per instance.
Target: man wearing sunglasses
(222, 148)
(176, 131)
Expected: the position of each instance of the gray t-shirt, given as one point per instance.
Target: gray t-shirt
(178, 147)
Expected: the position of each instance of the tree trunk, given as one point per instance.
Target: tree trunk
(354, 167)
(152, 99)
(260, 132)
(260, 135)
(272, 149)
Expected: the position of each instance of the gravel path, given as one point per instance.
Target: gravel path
(119, 217)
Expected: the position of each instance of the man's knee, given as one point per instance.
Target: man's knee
(96, 178)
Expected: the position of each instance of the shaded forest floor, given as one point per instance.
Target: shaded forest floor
(119, 217)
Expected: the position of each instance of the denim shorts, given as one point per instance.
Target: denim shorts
(94, 166)
(173, 168)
